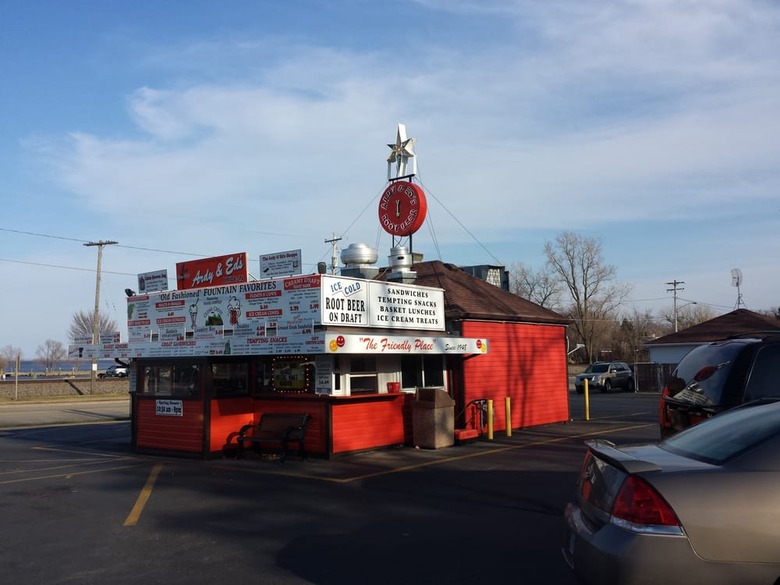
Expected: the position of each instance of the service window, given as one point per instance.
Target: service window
(180, 380)
(362, 375)
(422, 370)
(264, 372)
(230, 378)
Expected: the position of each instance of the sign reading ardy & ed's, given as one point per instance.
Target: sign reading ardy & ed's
(215, 271)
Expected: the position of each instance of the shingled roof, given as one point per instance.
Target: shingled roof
(469, 297)
(737, 322)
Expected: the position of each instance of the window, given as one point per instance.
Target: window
(362, 375)
(264, 374)
(229, 378)
(763, 380)
(426, 370)
(180, 380)
(726, 435)
(293, 374)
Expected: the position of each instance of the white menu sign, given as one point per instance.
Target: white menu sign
(152, 281)
(389, 305)
(280, 264)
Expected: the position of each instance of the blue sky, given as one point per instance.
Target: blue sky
(208, 128)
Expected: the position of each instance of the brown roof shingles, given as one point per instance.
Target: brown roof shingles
(739, 322)
(469, 297)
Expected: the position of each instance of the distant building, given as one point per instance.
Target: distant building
(495, 275)
(670, 349)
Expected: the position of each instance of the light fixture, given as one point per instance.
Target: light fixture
(129, 292)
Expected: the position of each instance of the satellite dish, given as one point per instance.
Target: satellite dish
(736, 277)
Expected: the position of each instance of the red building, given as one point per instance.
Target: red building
(486, 344)
(527, 357)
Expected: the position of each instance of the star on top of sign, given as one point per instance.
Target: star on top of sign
(401, 153)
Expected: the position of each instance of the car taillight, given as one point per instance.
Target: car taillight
(640, 508)
(585, 481)
(662, 414)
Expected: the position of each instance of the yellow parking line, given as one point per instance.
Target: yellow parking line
(143, 497)
(460, 457)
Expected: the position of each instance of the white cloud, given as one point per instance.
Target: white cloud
(569, 115)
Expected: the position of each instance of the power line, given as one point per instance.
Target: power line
(54, 237)
(42, 235)
(460, 223)
(44, 265)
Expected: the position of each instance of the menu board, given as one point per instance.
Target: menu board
(388, 305)
(269, 317)
(261, 317)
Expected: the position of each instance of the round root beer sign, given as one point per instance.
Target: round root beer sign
(402, 208)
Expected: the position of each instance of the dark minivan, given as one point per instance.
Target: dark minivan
(718, 376)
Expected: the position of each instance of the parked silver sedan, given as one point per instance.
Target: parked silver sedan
(700, 507)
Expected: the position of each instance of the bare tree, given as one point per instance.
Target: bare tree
(770, 312)
(579, 263)
(633, 331)
(81, 325)
(8, 355)
(541, 286)
(687, 316)
(50, 352)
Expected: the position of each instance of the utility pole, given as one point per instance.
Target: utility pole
(96, 316)
(334, 259)
(675, 284)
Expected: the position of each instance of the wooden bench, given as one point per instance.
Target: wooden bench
(276, 428)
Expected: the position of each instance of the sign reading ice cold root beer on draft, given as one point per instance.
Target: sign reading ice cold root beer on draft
(216, 271)
(370, 303)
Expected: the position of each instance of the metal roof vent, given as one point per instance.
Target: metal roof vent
(400, 261)
(359, 260)
(359, 255)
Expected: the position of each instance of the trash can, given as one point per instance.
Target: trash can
(433, 418)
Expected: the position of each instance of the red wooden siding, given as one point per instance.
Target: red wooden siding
(366, 425)
(174, 433)
(228, 415)
(525, 362)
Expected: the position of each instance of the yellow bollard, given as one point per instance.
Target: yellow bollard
(587, 402)
(490, 419)
(508, 412)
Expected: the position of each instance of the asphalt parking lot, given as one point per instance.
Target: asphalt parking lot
(79, 507)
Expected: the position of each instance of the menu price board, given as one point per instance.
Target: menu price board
(259, 345)
(228, 319)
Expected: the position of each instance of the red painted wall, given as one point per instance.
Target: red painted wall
(228, 415)
(525, 362)
(174, 433)
(358, 426)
